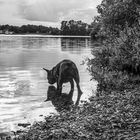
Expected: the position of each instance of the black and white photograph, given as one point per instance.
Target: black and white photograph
(70, 70)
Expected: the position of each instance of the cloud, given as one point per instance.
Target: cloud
(46, 11)
(56, 10)
(39, 11)
(1, 2)
(85, 15)
(8, 10)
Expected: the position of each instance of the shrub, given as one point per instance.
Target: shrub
(116, 64)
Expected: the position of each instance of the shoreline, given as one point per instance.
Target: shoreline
(43, 36)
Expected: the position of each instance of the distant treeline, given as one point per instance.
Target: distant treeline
(29, 29)
(67, 28)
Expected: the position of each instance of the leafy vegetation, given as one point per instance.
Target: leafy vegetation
(26, 29)
(74, 28)
(117, 63)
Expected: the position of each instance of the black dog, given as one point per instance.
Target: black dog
(64, 72)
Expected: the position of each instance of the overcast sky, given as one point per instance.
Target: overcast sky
(46, 12)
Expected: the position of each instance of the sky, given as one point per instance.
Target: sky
(46, 12)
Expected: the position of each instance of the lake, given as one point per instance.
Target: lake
(23, 83)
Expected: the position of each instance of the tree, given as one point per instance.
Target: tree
(24, 29)
(115, 14)
(95, 29)
(117, 62)
(74, 28)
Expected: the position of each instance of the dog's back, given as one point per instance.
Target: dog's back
(66, 70)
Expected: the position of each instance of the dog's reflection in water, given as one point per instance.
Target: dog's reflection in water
(62, 102)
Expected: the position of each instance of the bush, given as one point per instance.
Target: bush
(116, 64)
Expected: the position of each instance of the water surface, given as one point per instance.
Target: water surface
(23, 84)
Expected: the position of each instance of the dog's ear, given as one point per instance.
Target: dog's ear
(46, 70)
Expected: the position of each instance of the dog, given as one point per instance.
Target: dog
(63, 72)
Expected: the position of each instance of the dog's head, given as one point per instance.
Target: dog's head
(51, 78)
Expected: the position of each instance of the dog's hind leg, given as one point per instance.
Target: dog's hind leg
(77, 80)
(79, 93)
(72, 89)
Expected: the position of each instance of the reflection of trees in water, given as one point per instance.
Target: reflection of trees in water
(28, 42)
(72, 44)
(60, 102)
(7, 42)
(38, 43)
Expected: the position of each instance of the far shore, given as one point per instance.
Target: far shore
(43, 35)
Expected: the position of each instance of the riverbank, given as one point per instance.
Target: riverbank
(113, 116)
(43, 35)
